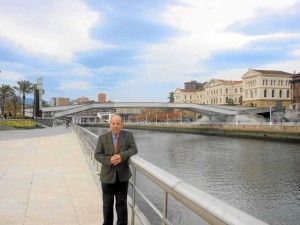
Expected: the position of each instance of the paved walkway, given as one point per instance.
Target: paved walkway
(45, 179)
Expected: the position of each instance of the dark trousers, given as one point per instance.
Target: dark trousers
(119, 191)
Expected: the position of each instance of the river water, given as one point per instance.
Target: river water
(262, 178)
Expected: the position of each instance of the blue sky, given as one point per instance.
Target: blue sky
(140, 50)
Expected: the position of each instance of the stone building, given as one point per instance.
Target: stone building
(265, 88)
(214, 92)
(295, 86)
(223, 92)
(258, 88)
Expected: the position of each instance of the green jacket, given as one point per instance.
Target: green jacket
(105, 150)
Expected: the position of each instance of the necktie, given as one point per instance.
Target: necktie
(116, 143)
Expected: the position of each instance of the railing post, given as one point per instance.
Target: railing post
(133, 194)
(165, 208)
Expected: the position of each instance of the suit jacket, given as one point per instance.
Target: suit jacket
(105, 150)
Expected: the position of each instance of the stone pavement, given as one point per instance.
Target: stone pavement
(46, 179)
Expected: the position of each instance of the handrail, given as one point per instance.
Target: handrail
(208, 207)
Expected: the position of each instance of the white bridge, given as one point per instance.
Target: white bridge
(209, 110)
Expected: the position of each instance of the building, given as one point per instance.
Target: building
(223, 92)
(193, 85)
(214, 92)
(258, 88)
(60, 101)
(102, 98)
(295, 86)
(82, 100)
(265, 88)
(185, 96)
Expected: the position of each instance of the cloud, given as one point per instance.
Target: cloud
(203, 33)
(75, 85)
(10, 77)
(56, 29)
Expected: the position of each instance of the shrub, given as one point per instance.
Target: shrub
(19, 123)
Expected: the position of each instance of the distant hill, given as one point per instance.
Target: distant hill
(28, 101)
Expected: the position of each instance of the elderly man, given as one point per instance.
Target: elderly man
(113, 151)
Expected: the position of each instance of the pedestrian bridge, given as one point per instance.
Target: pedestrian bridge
(209, 110)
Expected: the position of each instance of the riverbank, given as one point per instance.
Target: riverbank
(269, 132)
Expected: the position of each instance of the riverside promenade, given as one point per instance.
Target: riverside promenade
(47, 179)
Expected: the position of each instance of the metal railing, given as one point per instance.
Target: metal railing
(208, 207)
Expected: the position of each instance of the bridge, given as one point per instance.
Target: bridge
(209, 110)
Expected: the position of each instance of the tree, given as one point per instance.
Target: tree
(6, 91)
(241, 100)
(25, 87)
(171, 97)
(229, 101)
(16, 102)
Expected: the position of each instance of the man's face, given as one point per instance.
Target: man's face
(116, 124)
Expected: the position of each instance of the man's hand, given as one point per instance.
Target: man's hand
(115, 159)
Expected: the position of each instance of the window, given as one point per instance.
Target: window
(288, 94)
(280, 94)
(265, 93)
(273, 93)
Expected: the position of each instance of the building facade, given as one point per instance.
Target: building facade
(214, 92)
(295, 85)
(60, 101)
(258, 88)
(265, 88)
(220, 92)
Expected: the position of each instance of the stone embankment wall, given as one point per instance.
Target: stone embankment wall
(269, 132)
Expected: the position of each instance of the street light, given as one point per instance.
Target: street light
(270, 115)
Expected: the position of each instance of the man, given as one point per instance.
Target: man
(113, 151)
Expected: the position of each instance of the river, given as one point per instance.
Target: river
(262, 178)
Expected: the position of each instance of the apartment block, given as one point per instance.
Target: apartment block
(82, 100)
(59, 101)
(102, 98)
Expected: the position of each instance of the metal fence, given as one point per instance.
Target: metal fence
(206, 206)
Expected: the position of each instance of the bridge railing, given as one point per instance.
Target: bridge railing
(206, 206)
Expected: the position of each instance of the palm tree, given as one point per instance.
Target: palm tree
(6, 91)
(16, 101)
(25, 87)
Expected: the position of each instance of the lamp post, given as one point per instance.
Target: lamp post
(270, 115)
(180, 117)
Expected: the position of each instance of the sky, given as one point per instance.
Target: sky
(141, 50)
